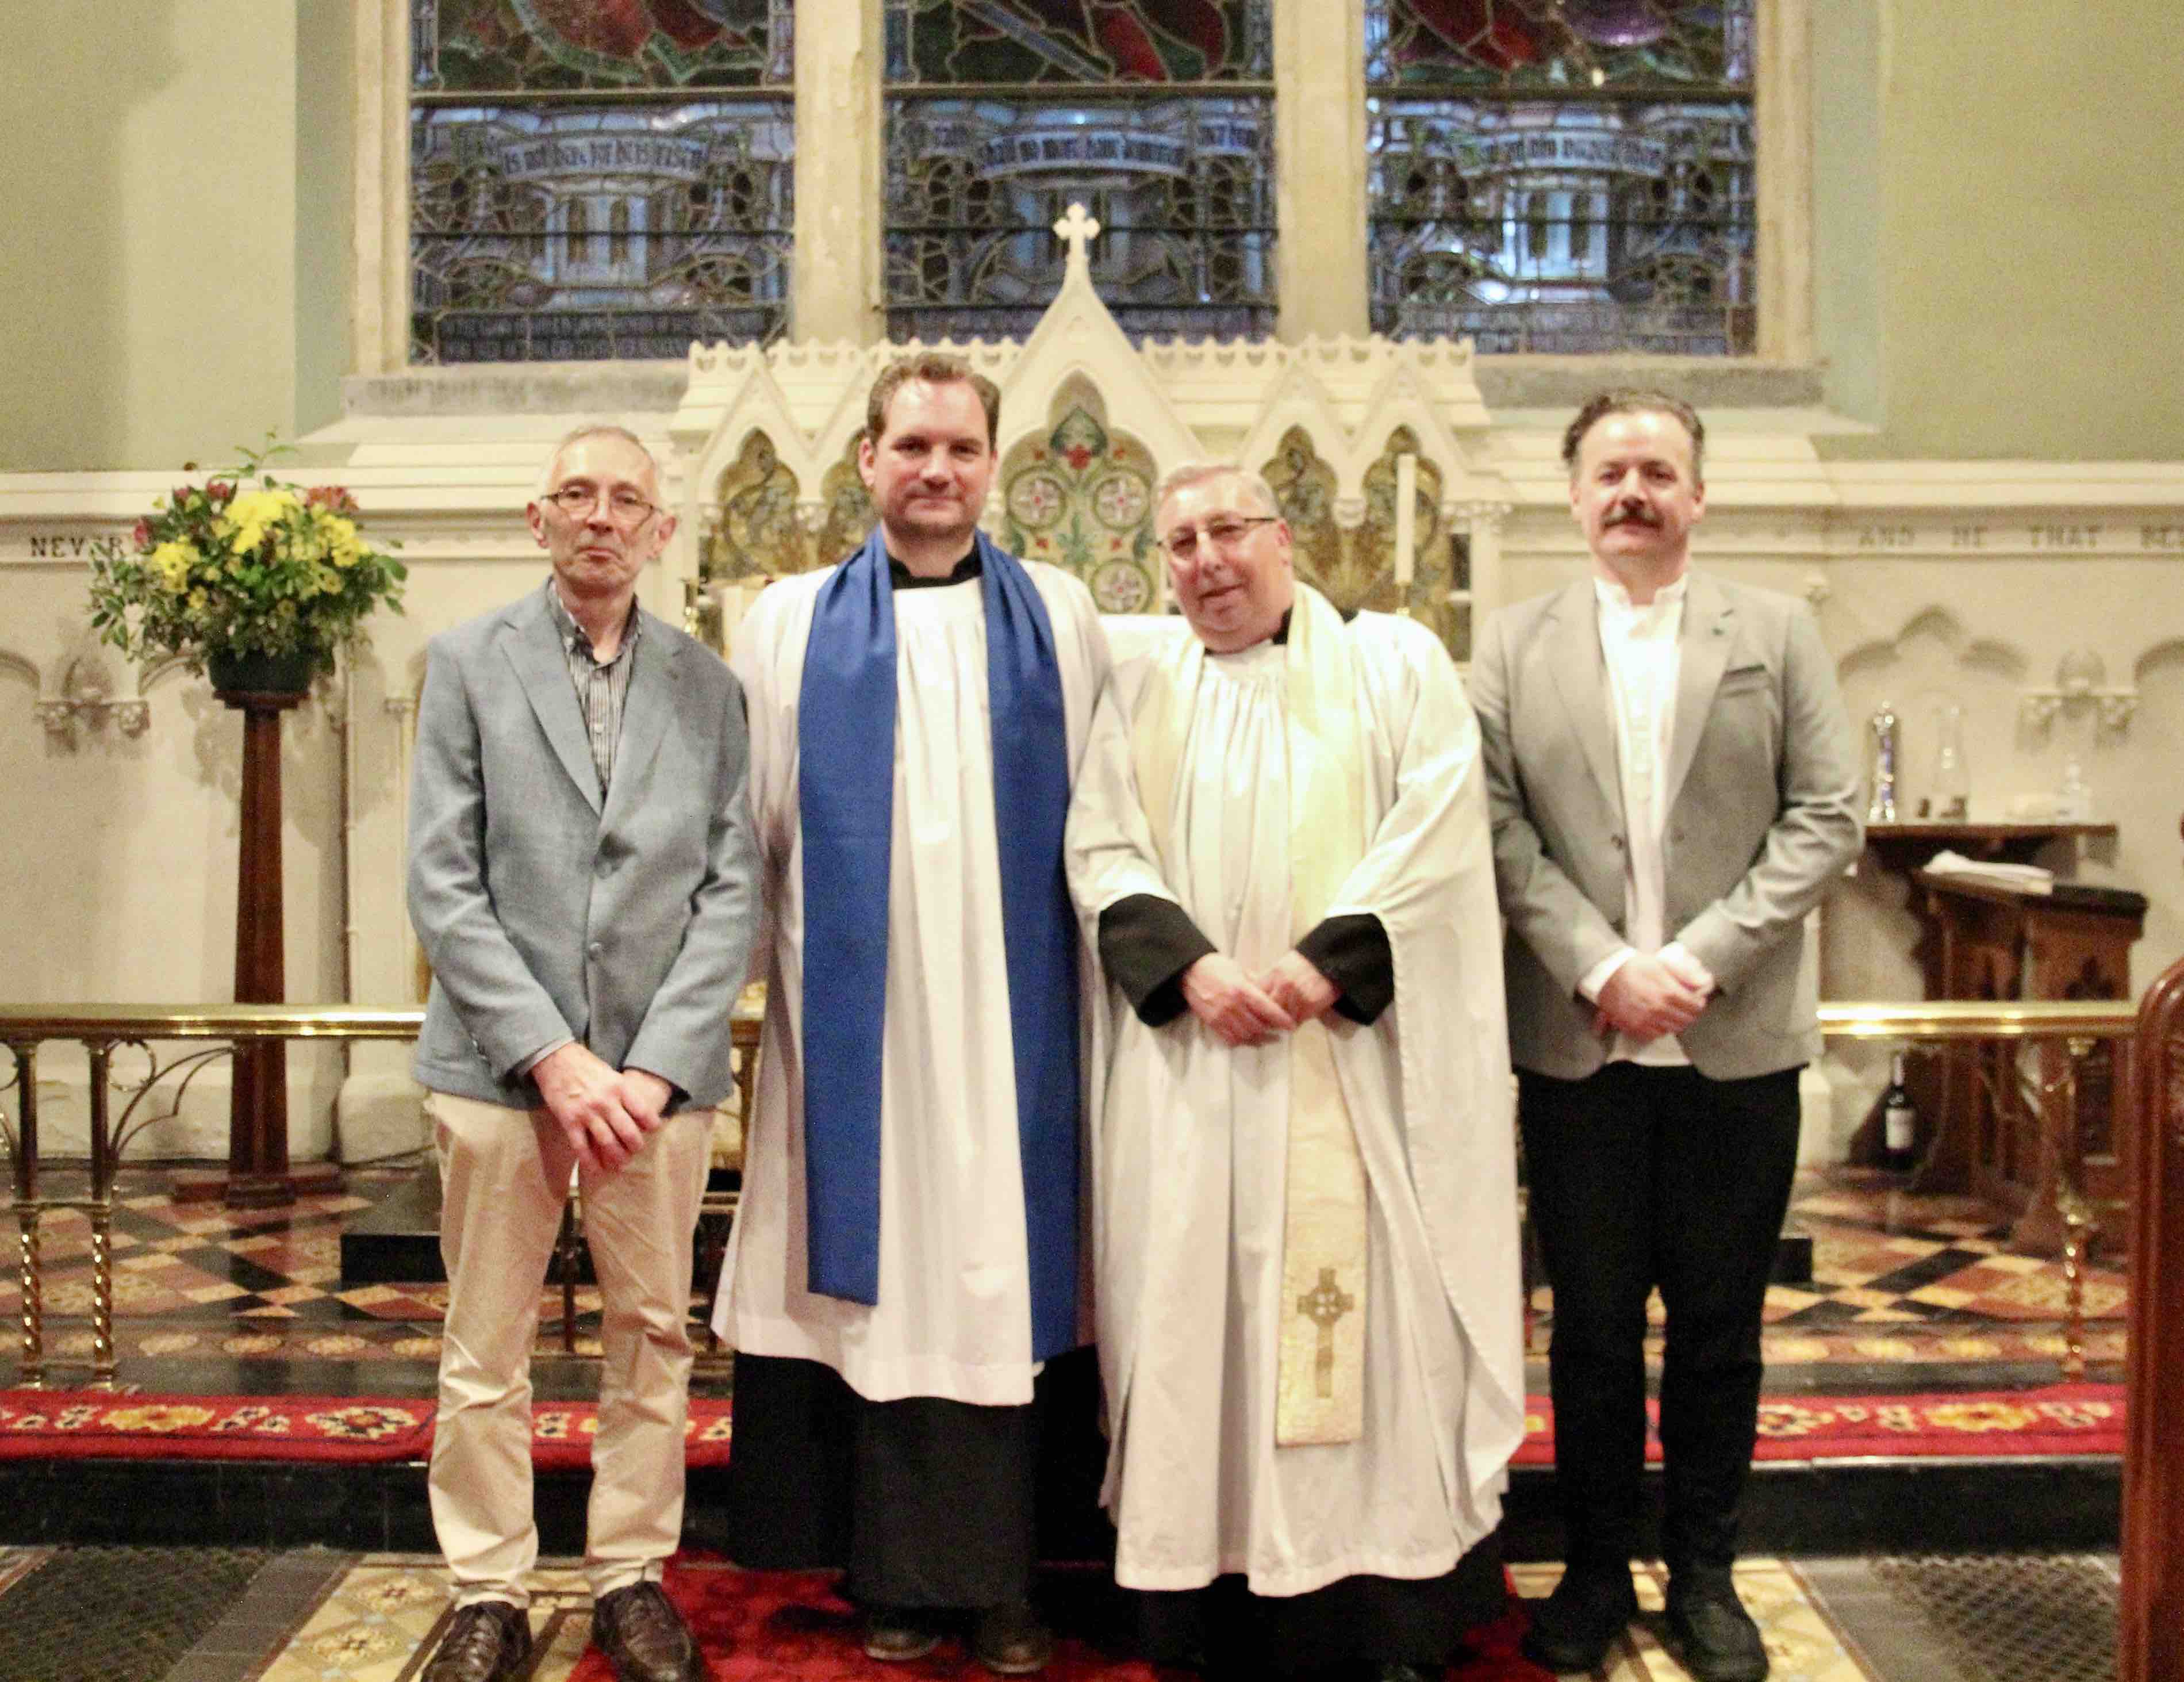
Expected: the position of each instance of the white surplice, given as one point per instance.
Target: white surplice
(1189, 1136)
(954, 1315)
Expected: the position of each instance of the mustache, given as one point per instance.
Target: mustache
(1631, 514)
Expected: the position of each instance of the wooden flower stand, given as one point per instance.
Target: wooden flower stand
(258, 1174)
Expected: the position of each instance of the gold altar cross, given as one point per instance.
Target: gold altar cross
(1324, 1304)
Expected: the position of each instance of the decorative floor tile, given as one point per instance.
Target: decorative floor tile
(1802, 1643)
(1916, 1281)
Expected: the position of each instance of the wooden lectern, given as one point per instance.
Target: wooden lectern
(1990, 942)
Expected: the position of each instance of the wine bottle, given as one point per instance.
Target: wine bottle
(1899, 1120)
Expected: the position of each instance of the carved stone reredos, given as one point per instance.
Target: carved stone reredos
(1188, 401)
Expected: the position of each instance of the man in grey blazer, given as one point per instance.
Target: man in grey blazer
(1672, 783)
(583, 882)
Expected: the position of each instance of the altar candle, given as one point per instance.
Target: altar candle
(736, 600)
(1407, 516)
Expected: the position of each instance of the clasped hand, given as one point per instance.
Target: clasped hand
(1245, 1010)
(1652, 994)
(605, 1113)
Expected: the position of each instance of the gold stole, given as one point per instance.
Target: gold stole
(1320, 1393)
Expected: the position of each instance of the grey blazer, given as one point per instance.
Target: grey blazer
(548, 913)
(1762, 786)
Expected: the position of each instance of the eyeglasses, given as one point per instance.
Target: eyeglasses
(1225, 532)
(625, 508)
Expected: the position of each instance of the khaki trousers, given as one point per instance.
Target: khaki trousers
(504, 1176)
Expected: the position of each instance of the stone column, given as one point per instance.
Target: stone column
(1782, 142)
(838, 289)
(379, 296)
(1320, 168)
(1484, 522)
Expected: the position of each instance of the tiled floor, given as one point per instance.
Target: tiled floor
(1907, 1292)
(201, 1615)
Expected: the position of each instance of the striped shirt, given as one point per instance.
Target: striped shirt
(602, 687)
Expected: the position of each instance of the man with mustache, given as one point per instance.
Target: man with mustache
(1673, 784)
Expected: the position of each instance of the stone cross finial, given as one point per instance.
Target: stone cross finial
(1077, 230)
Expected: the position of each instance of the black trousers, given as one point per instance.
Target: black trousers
(928, 1503)
(1641, 1178)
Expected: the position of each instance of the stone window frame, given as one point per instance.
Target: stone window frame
(838, 284)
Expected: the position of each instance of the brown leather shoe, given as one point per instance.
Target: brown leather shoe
(1010, 1640)
(488, 1641)
(644, 1637)
(895, 1636)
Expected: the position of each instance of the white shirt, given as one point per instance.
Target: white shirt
(1641, 647)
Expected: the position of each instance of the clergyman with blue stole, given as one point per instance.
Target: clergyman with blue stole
(906, 1267)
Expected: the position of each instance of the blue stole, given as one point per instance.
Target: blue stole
(845, 788)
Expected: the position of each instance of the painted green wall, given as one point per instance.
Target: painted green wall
(2026, 299)
(1846, 178)
(324, 110)
(148, 257)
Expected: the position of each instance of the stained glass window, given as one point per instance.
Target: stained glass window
(1156, 115)
(1566, 176)
(597, 178)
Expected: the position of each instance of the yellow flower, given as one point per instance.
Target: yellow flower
(342, 545)
(252, 513)
(171, 561)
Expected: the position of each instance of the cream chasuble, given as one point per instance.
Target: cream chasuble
(1199, 1273)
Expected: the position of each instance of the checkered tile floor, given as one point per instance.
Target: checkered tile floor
(1898, 1281)
(1917, 1281)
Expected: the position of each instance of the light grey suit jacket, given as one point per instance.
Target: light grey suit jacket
(548, 912)
(1763, 789)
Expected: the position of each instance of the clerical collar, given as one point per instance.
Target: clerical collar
(969, 567)
(1282, 631)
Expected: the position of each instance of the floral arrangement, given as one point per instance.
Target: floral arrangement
(235, 569)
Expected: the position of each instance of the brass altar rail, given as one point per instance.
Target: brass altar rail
(2081, 1025)
(103, 1029)
(1981, 1020)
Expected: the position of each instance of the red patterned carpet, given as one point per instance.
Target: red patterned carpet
(98, 1425)
(2059, 1419)
(792, 1627)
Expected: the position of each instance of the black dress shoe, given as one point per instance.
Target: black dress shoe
(894, 1635)
(644, 1637)
(1572, 1628)
(489, 1642)
(1720, 1642)
(1010, 1640)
